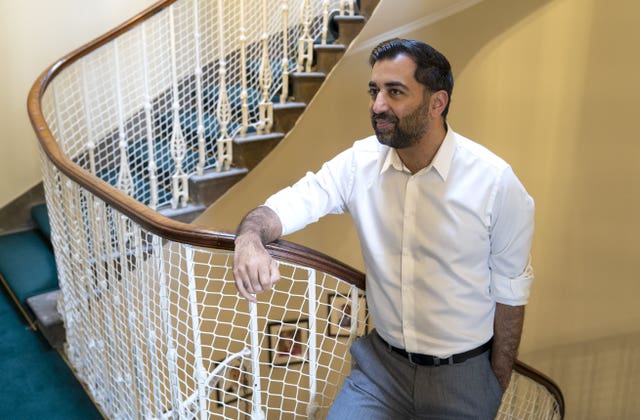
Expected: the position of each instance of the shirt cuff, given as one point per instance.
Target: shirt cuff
(512, 291)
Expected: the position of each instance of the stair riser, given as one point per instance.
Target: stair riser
(208, 188)
(247, 154)
(349, 28)
(327, 57)
(305, 85)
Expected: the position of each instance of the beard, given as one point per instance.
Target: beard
(402, 133)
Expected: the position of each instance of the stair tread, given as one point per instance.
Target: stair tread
(349, 18)
(45, 308)
(258, 137)
(212, 173)
(27, 264)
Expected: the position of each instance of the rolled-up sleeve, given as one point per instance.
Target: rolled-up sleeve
(315, 195)
(512, 222)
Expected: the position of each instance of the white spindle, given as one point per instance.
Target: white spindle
(90, 146)
(172, 354)
(223, 109)
(126, 316)
(125, 179)
(243, 69)
(312, 408)
(305, 42)
(112, 301)
(78, 236)
(325, 21)
(61, 132)
(104, 353)
(347, 7)
(355, 308)
(266, 106)
(178, 147)
(148, 285)
(198, 74)
(285, 52)
(256, 413)
(199, 373)
(148, 118)
(138, 277)
(64, 263)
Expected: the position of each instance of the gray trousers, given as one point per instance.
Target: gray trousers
(384, 385)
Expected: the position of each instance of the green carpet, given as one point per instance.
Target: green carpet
(35, 382)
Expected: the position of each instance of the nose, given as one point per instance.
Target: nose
(378, 103)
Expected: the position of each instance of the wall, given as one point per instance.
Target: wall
(33, 34)
(549, 85)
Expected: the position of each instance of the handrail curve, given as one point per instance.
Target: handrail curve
(544, 380)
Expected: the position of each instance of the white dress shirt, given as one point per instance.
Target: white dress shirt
(440, 246)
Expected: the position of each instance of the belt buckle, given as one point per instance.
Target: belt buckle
(437, 361)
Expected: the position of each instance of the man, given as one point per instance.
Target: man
(446, 230)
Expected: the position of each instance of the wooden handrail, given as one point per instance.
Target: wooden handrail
(526, 370)
(147, 218)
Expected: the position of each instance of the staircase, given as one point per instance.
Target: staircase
(251, 148)
(28, 272)
(27, 264)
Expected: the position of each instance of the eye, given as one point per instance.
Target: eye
(373, 92)
(395, 92)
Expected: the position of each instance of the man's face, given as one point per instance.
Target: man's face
(399, 104)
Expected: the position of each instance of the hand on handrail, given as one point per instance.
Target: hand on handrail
(255, 271)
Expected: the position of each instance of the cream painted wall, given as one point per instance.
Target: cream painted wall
(33, 34)
(551, 86)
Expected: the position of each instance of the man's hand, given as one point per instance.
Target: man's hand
(254, 269)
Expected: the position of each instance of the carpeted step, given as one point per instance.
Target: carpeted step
(36, 383)
(27, 267)
(40, 215)
(48, 319)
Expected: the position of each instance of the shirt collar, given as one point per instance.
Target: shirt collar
(441, 161)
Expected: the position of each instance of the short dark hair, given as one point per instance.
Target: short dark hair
(432, 68)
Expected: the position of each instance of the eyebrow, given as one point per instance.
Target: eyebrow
(373, 84)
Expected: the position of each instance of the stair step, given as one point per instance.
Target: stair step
(249, 150)
(27, 267)
(48, 319)
(349, 28)
(207, 188)
(367, 7)
(286, 115)
(327, 56)
(40, 215)
(184, 214)
(305, 85)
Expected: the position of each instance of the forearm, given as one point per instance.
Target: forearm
(261, 223)
(506, 339)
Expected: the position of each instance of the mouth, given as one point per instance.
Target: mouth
(383, 123)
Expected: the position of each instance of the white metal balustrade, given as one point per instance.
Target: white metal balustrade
(164, 99)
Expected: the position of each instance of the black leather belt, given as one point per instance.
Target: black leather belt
(428, 360)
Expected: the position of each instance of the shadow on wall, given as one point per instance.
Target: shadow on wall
(474, 35)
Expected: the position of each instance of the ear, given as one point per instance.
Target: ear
(437, 103)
